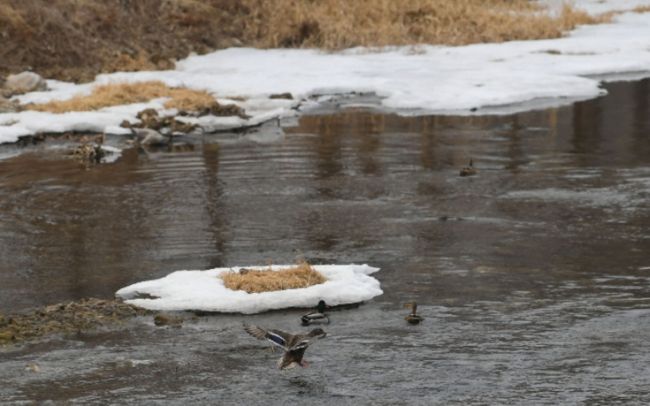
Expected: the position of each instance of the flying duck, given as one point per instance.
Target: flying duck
(294, 345)
(318, 316)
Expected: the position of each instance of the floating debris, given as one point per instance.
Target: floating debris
(286, 96)
(164, 319)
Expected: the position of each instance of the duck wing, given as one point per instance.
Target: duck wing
(277, 337)
(300, 342)
(291, 358)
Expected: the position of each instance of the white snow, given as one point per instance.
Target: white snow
(204, 290)
(424, 79)
(594, 7)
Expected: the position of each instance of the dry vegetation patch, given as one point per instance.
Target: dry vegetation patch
(335, 24)
(256, 281)
(74, 40)
(126, 93)
(65, 318)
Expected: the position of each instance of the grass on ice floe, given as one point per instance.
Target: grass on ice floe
(268, 280)
(206, 291)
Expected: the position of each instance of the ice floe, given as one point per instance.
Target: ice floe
(410, 80)
(205, 291)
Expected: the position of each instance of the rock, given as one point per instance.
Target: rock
(147, 136)
(223, 110)
(6, 336)
(162, 319)
(8, 106)
(88, 153)
(24, 82)
(182, 127)
(287, 96)
(149, 119)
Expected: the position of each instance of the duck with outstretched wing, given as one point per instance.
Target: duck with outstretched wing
(294, 345)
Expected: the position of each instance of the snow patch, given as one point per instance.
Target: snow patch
(205, 291)
(471, 79)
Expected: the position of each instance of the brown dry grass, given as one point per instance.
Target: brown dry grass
(256, 281)
(74, 40)
(126, 93)
(335, 24)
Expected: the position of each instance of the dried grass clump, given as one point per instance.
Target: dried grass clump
(336, 24)
(189, 100)
(75, 39)
(256, 281)
(115, 94)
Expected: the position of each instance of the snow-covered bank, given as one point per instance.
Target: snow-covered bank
(410, 80)
(205, 291)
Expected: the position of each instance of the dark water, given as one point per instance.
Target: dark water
(533, 276)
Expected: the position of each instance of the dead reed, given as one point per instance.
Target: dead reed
(75, 40)
(336, 24)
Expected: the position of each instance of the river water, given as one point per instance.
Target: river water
(533, 276)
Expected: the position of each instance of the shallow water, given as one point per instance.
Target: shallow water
(533, 276)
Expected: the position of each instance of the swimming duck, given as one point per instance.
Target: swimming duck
(294, 345)
(413, 317)
(468, 170)
(318, 316)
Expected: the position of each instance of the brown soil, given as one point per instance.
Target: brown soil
(65, 318)
(75, 40)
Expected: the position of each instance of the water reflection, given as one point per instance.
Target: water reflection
(353, 186)
(532, 276)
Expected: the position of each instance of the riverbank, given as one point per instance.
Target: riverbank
(74, 41)
(65, 319)
(465, 80)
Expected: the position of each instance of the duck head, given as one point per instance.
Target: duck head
(321, 306)
(413, 306)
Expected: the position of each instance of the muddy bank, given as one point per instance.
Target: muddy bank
(66, 318)
(74, 41)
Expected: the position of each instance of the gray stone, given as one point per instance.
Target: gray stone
(162, 319)
(147, 136)
(24, 82)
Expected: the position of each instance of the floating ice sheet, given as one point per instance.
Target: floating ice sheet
(205, 291)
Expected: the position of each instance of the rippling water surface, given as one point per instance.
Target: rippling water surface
(533, 276)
